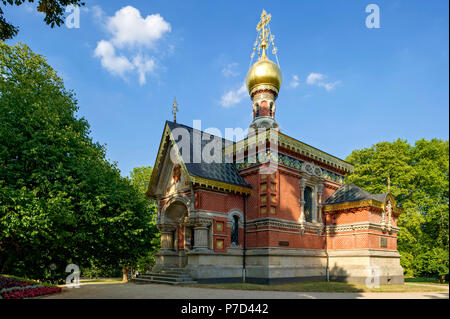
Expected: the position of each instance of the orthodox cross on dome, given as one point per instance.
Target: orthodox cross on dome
(175, 109)
(264, 38)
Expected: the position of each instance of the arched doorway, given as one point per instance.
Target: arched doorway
(178, 238)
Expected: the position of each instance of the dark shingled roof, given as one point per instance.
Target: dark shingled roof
(352, 193)
(222, 172)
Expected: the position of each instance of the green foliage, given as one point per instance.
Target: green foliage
(420, 183)
(140, 176)
(61, 201)
(53, 10)
(95, 271)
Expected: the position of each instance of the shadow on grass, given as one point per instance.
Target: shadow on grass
(338, 283)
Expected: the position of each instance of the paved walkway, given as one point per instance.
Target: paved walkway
(155, 291)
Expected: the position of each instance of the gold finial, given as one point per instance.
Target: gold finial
(389, 182)
(264, 38)
(264, 33)
(175, 109)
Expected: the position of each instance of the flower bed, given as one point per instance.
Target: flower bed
(12, 288)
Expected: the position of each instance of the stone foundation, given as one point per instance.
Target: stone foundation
(358, 265)
(274, 265)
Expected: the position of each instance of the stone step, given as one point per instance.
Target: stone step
(165, 274)
(172, 272)
(159, 281)
(166, 278)
(168, 272)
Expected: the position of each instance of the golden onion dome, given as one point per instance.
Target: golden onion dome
(264, 73)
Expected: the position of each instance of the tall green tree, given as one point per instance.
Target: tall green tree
(53, 10)
(140, 177)
(420, 183)
(61, 201)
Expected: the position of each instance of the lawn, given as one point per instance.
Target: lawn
(425, 280)
(90, 281)
(321, 287)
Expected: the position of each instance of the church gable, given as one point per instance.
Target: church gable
(219, 176)
(174, 179)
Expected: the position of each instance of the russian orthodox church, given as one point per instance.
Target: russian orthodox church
(281, 215)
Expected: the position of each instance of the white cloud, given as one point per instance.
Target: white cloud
(318, 79)
(330, 86)
(117, 65)
(98, 13)
(234, 97)
(313, 78)
(143, 65)
(230, 70)
(129, 28)
(130, 36)
(295, 81)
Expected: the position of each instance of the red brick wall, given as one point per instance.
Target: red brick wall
(358, 239)
(218, 202)
(253, 201)
(289, 197)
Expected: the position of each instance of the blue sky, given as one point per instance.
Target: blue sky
(384, 83)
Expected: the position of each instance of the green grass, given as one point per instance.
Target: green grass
(425, 280)
(320, 287)
(88, 281)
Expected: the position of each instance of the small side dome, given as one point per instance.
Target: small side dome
(264, 73)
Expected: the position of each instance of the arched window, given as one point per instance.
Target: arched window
(307, 195)
(235, 230)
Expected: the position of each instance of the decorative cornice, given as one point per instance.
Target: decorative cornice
(220, 185)
(349, 205)
(264, 88)
(359, 226)
(296, 146)
(285, 224)
(300, 166)
(159, 157)
(314, 153)
(364, 203)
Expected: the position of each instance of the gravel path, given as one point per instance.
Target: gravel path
(156, 291)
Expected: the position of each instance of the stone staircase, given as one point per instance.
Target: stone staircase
(171, 276)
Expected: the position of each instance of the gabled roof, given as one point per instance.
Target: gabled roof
(222, 176)
(222, 172)
(352, 193)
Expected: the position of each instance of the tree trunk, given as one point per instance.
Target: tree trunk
(124, 274)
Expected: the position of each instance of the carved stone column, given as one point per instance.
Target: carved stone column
(201, 234)
(201, 237)
(319, 202)
(167, 240)
(302, 200)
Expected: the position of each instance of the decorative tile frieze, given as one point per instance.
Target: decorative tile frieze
(284, 224)
(290, 162)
